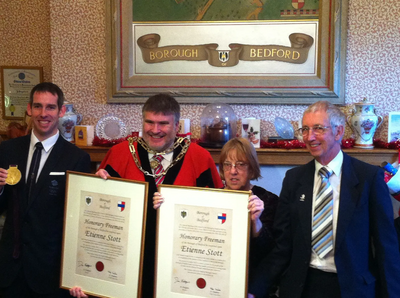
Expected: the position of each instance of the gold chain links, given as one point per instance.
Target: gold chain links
(185, 147)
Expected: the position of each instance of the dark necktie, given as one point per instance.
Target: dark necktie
(34, 167)
(322, 234)
(159, 169)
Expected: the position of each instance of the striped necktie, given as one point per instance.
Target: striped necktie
(322, 234)
(159, 169)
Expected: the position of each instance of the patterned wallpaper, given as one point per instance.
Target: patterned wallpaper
(25, 36)
(67, 38)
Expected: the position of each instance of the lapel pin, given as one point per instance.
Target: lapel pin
(302, 198)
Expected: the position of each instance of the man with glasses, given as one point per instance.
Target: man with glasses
(334, 228)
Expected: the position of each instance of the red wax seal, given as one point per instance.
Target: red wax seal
(201, 283)
(99, 266)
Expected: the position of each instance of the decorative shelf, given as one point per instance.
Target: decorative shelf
(282, 156)
(272, 156)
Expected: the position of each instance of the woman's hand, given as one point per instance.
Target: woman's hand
(77, 292)
(256, 208)
(158, 199)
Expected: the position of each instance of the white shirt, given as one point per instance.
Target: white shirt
(328, 263)
(48, 145)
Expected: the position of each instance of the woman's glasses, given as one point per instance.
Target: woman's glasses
(239, 165)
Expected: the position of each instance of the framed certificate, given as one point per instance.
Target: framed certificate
(202, 243)
(103, 235)
(16, 85)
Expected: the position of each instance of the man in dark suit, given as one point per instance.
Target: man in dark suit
(346, 248)
(30, 247)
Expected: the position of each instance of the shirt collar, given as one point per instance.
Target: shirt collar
(47, 144)
(335, 165)
(167, 156)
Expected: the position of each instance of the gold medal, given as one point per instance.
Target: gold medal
(14, 175)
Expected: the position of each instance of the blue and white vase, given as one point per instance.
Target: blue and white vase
(66, 124)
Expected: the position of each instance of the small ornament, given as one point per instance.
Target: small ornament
(154, 163)
(364, 121)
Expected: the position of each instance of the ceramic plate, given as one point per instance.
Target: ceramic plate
(111, 128)
(284, 128)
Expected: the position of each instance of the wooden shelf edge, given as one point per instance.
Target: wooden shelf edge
(286, 157)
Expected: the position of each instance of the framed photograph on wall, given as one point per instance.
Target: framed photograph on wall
(16, 85)
(394, 127)
(208, 51)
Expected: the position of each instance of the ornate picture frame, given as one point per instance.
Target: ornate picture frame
(125, 84)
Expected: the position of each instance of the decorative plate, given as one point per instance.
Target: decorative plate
(284, 128)
(111, 128)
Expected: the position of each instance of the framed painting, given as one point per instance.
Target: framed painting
(275, 52)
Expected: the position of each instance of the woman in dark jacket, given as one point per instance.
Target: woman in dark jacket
(238, 165)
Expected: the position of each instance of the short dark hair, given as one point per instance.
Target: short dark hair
(164, 104)
(51, 88)
(244, 150)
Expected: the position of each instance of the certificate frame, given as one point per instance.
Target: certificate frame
(172, 279)
(125, 86)
(89, 261)
(16, 84)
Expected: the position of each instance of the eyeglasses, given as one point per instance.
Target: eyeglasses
(317, 129)
(239, 165)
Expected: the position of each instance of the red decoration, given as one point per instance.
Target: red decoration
(183, 135)
(286, 144)
(381, 144)
(387, 176)
(107, 143)
(348, 143)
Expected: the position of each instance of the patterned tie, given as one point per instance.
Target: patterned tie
(322, 235)
(159, 169)
(33, 169)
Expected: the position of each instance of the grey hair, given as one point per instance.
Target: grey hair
(335, 115)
